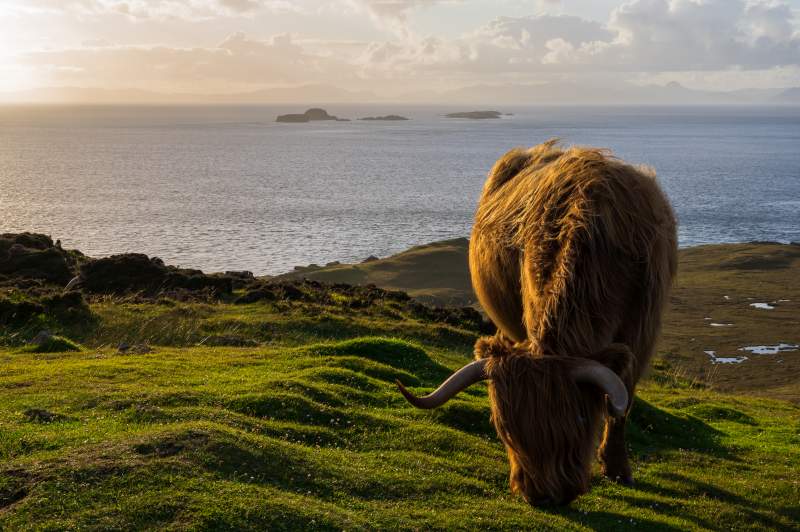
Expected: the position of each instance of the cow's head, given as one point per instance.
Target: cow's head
(547, 411)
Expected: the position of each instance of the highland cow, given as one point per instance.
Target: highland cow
(572, 256)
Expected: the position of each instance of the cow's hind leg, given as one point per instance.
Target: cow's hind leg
(612, 453)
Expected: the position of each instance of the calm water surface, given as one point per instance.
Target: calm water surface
(228, 188)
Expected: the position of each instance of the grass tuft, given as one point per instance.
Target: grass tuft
(53, 344)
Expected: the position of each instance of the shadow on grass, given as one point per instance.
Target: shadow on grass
(611, 521)
(390, 352)
(323, 325)
(651, 429)
(675, 506)
(466, 417)
(692, 488)
(288, 468)
(13, 486)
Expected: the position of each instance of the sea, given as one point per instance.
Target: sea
(227, 188)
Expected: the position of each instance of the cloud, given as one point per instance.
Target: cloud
(155, 9)
(392, 15)
(504, 45)
(683, 35)
(641, 36)
(641, 40)
(397, 9)
(238, 61)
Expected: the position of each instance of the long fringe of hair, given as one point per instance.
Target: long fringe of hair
(535, 404)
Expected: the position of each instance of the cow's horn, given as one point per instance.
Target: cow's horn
(461, 379)
(595, 373)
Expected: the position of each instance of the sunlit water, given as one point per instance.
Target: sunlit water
(223, 188)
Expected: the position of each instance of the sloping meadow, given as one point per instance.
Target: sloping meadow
(315, 436)
(272, 405)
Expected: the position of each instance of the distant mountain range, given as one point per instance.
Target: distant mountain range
(81, 95)
(547, 93)
(565, 93)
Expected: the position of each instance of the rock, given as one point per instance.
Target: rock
(52, 344)
(42, 337)
(333, 263)
(292, 118)
(240, 279)
(135, 349)
(40, 415)
(137, 273)
(313, 114)
(475, 115)
(244, 274)
(371, 258)
(119, 274)
(34, 256)
(384, 118)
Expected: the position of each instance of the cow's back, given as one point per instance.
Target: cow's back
(574, 251)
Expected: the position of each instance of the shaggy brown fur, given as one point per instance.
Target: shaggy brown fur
(572, 256)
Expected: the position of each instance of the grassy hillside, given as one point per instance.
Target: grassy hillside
(710, 309)
(273, 406)
(435, 273)
(305, 430)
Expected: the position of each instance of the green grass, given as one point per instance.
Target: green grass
(54, 344)
(435, 272)
(715, 284)
(305, 430)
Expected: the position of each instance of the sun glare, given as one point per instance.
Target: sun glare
(13, 76)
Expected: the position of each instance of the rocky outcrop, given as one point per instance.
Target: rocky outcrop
(35, 256)
(293, 118)
(315, 113)
(42, 270)
(21, 309)
(368, 298)
(389, 118)
(138, 273)
(476, 115)
(311, 115)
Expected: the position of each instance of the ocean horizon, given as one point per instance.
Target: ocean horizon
(227, 188)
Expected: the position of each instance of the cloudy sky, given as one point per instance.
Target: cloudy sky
(395, 46)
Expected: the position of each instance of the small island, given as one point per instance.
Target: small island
(311, 115)
(476, 115)
(384, 118)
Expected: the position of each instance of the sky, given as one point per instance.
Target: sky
(394, 47)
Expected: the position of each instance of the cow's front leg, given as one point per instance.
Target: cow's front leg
(612, 453)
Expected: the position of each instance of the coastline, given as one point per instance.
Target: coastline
(728, 300)
(183, 391)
